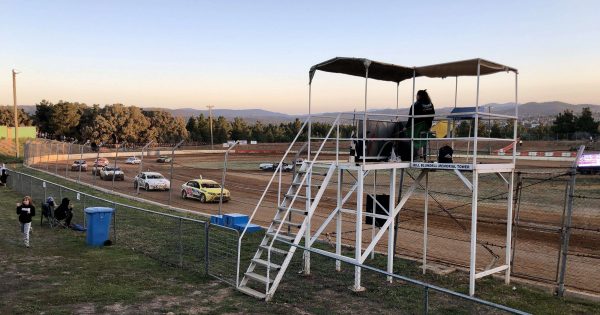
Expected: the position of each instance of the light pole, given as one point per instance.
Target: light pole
(224, 173)
(14, 79)
(210, 107)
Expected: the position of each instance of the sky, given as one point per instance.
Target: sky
(256, 54)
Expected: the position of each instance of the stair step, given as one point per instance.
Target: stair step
(257, 277)
(291, 196)
(252, 292)
(281, 236)
(274, 250)
(305, 185)
(293, 210)
(265, 263)
(298, 225)
(313, 172)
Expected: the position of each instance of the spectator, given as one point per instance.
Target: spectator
(3, 175)
(25, 210)
(423, 106)
(64, 211)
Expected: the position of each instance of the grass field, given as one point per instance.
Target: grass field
(59, 274)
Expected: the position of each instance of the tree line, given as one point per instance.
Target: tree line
(108, 124)
(116, 122)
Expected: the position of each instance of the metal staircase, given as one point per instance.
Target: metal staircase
(273, 257)
(290, 223)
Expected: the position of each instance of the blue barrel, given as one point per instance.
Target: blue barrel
(98, 225)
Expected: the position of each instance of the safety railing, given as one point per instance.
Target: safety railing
(277, 172)
(306, 178)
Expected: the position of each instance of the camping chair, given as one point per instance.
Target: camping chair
(48, 214)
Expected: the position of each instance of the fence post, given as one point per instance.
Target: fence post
(180, 246)
(566, 231)
(425, 300)
(83, 210)
(115, 222)
(206, 227)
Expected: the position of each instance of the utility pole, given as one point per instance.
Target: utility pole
(210, 107)
(14, 78)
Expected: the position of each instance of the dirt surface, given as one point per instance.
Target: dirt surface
(536, 246)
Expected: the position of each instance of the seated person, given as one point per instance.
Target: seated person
(64, 212)
(423, 106)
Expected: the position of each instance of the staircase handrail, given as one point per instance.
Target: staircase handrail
(278, 169)
(308, 170)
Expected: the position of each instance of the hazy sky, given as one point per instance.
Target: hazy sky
(256, 54)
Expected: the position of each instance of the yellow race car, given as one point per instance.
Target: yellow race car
(205, 190)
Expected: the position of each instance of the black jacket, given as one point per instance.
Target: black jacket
(63, 210)
(421, 109)
(24, 216)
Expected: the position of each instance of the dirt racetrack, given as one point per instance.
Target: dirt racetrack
(536, 245)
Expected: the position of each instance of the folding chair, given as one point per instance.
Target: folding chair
(48, 214)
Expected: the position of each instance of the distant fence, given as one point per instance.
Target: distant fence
(182, 242)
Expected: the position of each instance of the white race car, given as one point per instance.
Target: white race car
(151, 181)
(133, 160)
(107, 173)
(273, 166)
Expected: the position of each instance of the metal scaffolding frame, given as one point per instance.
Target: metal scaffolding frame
(359, 170)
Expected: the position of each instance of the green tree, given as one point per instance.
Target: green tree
(164, 128)
(585, 122)
(239, 129)
(192, 128)
(464, 129)
(7, 117)
(65, 119)
(495, 131)
(43, 116)
(222, 130)
(564, 123)
(258, 132)
(203, 129)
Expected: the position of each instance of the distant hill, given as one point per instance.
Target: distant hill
(527, 110)
(247, 114)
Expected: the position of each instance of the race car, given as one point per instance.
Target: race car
(151, 181)
(101, 162)
(79, 165)
(98, 165)
(107, 173)
(205, 190)
(133, 160)
(164, 159)
(273, 166)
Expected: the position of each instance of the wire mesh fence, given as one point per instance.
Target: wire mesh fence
(538, 223)
(182, 242)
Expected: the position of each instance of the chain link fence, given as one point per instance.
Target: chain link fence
(182, 242)
(539, 219)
